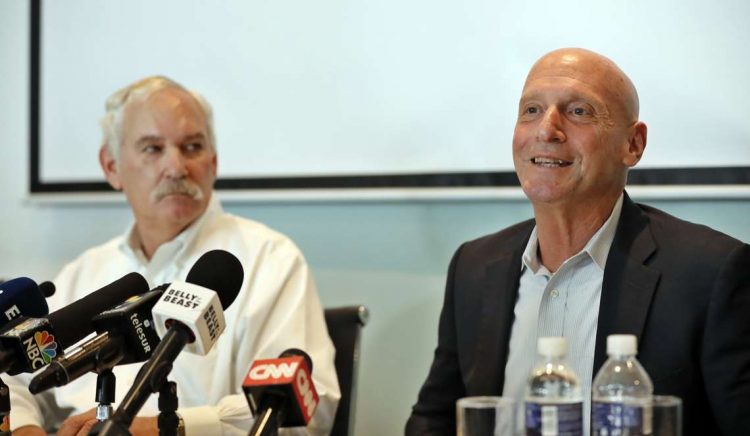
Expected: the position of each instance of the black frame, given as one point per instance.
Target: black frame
(713, 176)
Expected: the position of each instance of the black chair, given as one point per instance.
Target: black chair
(345, 326)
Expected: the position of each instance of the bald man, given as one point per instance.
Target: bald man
(592, 263)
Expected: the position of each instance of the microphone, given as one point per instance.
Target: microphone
(281, 392)
(22, 297)
(126, 332)
(31, 343)
(47, 289)
(196, 307)
(188, 316)
(125, 335)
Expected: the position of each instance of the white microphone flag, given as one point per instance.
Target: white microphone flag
(196, 307)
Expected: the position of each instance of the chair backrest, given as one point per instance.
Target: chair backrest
(344, 327)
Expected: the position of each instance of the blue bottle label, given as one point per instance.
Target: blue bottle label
(543, 419)
(619, 419)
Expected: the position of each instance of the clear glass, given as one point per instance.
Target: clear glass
(485, 416)
(667, 415)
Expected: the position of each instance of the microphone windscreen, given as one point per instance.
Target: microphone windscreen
(47, 289)
(25, 295)
(74, 321)
(219, 271)
(289, 352)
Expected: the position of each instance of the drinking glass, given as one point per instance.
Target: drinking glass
(666, 411)
(485, 416)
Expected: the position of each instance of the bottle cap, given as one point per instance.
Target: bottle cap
(622, 345)
(551, 346)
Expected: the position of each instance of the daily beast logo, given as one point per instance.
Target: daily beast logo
(181, 298)
(212, 323)
(40, 349)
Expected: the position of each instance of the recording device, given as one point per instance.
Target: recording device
(125, 335)
(28, 344)
(21, 297)
(281, 392)
(186, 316)
(127, 332)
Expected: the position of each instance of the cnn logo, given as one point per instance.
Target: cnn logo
(306, 393)
(271, 370)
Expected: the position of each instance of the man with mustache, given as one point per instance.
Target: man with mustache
(592, 263)
(159, 149)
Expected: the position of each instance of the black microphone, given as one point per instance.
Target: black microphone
(126, 332)
(187, 316)
(125, 335)
(31, 343)
(47, 289)
(21, 297)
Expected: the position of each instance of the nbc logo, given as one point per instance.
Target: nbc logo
(40, 349)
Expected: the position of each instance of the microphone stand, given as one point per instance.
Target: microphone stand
(4, 409)
(269, 417)
(266, 424)
(150, 379)
(168, 419)
(105, 394)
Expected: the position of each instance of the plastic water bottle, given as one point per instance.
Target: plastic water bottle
(554, 404)
(622, 392)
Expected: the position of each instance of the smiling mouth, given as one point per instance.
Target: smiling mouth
(547, 162)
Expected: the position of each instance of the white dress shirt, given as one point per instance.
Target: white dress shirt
(564, 303)
(277, 308)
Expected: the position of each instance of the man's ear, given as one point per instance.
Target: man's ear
(636, 144)
(109, 166)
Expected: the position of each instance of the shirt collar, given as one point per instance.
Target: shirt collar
(131, 242)
(597, 247)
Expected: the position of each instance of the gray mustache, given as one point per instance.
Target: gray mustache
(177, 187)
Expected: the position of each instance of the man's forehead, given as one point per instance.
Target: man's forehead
(559, 87)
(590, 71)
(168, 106)
(167, 100)
(587, 72)
(156, 137)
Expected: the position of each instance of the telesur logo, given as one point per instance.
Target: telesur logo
(138, 327)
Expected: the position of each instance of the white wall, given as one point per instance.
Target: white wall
(390, 86)
(390, 256)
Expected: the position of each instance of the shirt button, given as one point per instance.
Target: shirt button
(554, 293)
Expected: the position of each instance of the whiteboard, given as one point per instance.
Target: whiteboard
(346, 91)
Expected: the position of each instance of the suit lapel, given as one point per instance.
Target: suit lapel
(628, 285)
(499, 294)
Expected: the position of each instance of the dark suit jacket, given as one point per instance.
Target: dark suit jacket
(681, 288)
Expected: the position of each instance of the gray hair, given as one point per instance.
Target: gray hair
(111, 122)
